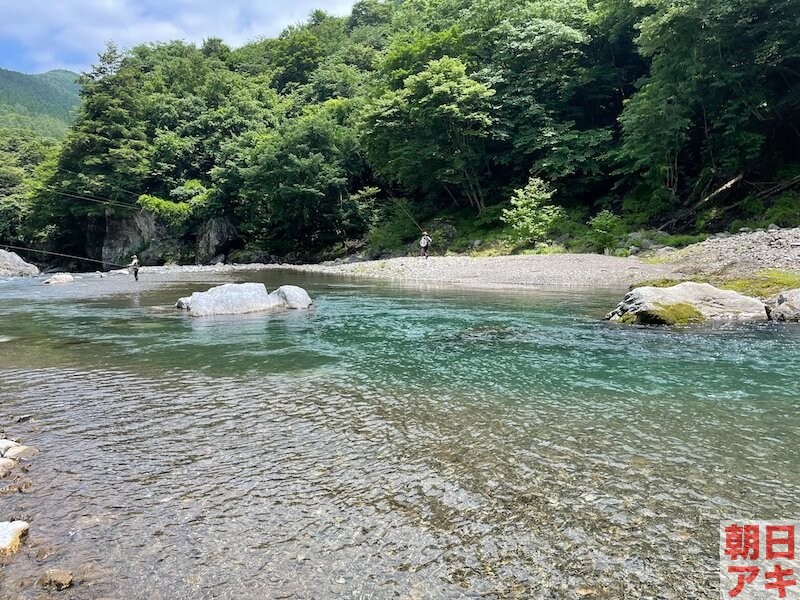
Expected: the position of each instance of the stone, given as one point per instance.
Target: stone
(183, 303)
(684, 303)
(213, 236)
(5, 445)
(12, 265)
(18, 452)
(785, 307)
(7, 463)
(233, 299)
(141, 233)
(59, 579)
(60, 279)
(773, 227)
(10, 534)
(293, 296)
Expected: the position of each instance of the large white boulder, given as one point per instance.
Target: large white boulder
(293, 296)
(785, 307)
(10, 533)
(232, 299)
(60, 279)
(684, 303)
(242, 298)
(11, 265)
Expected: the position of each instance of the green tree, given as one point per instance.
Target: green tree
(430, 136)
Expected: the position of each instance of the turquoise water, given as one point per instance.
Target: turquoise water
(393, 441)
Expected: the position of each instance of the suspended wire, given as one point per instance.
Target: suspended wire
(116, 187)
(89, 199)
(94, 260)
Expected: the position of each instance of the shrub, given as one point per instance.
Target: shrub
(606, 229)
(532, 216)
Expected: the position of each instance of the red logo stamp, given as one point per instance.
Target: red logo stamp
(757, 560)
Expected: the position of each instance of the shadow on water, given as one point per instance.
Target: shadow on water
(394, 440)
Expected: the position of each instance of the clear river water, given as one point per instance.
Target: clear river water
(392, 442)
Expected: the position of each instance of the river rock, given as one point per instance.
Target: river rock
(242, 298)
(10, 534)
(7, 464)
(60, 278)
(59, 579)
(5, 445)
(18, 452)
(293, 296)
(785, 307)
(11, 265)
(233, 299)
(687, 302)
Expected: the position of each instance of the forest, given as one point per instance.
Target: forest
(499, 125)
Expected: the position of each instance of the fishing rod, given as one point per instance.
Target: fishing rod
(403, 208)
(94, 260)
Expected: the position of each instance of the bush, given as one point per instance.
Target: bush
(531, 215)
(606, 229)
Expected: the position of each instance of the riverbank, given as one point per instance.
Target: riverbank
(720, 258)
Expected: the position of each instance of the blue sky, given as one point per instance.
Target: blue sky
(39, 35)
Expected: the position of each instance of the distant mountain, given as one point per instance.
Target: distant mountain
(44, 103)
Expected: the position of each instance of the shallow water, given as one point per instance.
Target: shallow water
(391, 442)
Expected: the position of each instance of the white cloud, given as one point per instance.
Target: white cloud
(70, 33)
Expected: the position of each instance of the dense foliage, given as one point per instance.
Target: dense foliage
(42, 103)
(624, 114)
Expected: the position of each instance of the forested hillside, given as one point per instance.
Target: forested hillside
(43, 103)
(513, 122)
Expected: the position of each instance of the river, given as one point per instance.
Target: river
(413, 442)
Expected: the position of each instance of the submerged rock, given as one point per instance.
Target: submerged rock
(11, 265)
(243, 298)
(60, 278)
(293, 296)
(18, 452)
(686, 303)
(59, 579)
(5, 445)
(785, 307)
(10, 534)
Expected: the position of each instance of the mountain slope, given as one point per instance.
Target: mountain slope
(44, 103)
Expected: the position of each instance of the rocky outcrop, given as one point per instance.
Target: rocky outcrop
(211, 240)
(10, 534)
(686, 303)
(141, 234)
(785, 307)
(243, 298)
(60, 279)
(11, 265)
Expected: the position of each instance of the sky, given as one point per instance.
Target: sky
(39, 35)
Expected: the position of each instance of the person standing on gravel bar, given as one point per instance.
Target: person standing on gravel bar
(424, 244)
(135, 266)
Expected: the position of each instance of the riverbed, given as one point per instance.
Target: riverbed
(414, 441)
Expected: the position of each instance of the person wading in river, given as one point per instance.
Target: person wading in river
(135, 266)
(424, 244)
